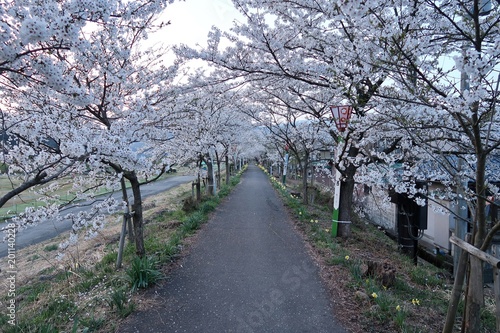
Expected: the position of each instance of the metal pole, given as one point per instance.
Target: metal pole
(285, 167)
(214, 188)
(336, 193)
(341, 115)
(214, 181)
(461, 214)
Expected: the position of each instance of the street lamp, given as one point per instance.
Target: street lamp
(341, 116)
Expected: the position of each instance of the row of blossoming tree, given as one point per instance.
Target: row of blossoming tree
(421, 75)
(84, 105)
(81, 99)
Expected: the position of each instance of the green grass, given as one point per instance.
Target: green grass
(34, 257)
(224, 191)
(118, 301)
(91, 324)
(30, 292)
(55, 310)
(425, 277)
(209, 206)
(143, 273)
(51, 247)
(89, 279)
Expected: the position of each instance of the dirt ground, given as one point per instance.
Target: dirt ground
(35, 261)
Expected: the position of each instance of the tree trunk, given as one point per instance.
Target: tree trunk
(456, 291)
(218, 168)
(346, 193)
(198, 189)
(475, 296)
(210, 175)
(305, 192)
(479, 231)
(475, 290)
(137, 217)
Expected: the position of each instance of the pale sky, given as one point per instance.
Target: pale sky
(191, 20)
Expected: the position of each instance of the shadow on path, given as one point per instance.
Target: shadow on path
(248, 272)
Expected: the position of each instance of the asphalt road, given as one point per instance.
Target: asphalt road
(48, 230)
(247, 272)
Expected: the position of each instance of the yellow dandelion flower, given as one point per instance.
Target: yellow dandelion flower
(415, 301)
(398, 308)
(347, 258)
(374, 295)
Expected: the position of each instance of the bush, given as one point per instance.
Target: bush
(224, 191)
(234, 181)
(189, 205)
(143, 273)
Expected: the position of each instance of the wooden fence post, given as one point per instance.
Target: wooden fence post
(457, 290)
(477, 255)
(496, 285)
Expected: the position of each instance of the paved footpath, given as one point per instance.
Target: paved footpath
(248, 272)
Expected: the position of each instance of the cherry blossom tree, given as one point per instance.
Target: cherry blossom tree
(441, 95)
(208, 124)
(31, 31)
(398, 59)
(294, 121)
(302, 47)
(79, 106)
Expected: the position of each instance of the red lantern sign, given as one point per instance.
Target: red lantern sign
(341, 116)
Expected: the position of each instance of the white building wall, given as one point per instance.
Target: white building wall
(378, 210)
(438, 228)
